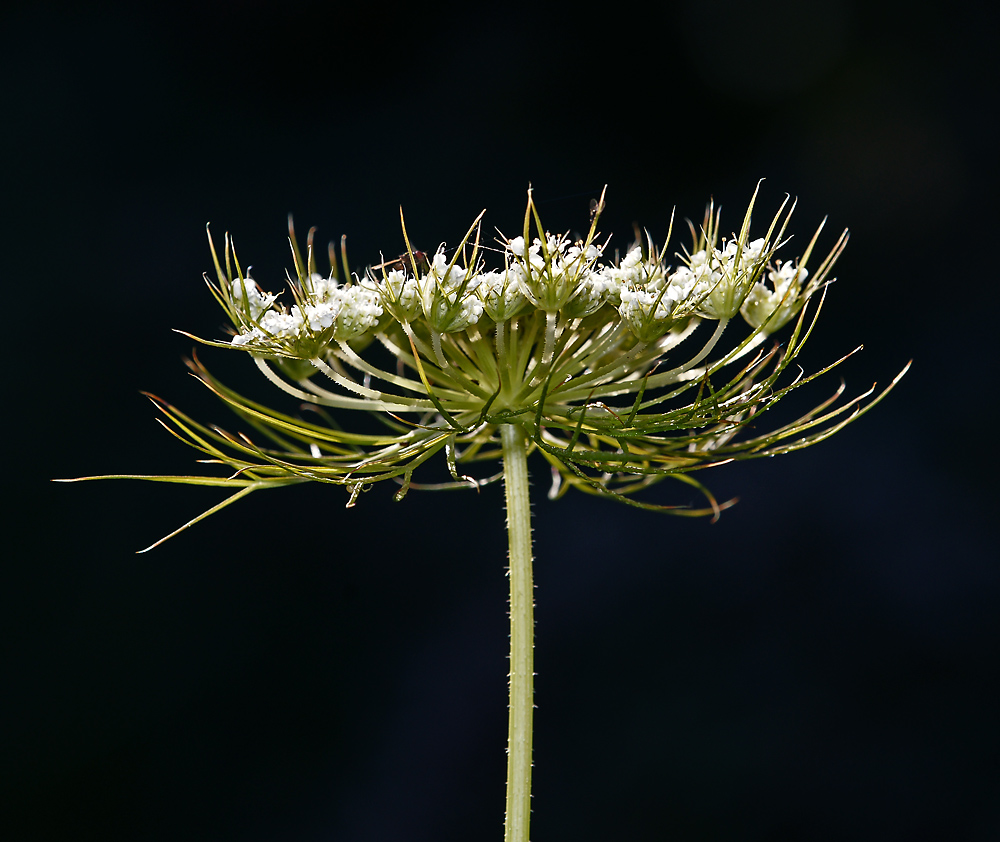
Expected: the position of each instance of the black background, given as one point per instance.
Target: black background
(818, 665)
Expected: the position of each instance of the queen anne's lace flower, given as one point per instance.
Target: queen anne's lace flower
(328, 313)
(447, 293)
(722, 278)
(256, 301)
(398, 292)
(359, 312)
(273, 325)
(557, 353)
(551, 273)
(584, 355)
(501, 295)
(773, 308)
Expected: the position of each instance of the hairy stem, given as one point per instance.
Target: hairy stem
(515, 467)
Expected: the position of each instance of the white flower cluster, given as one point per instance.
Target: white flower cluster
(555, 276)
(554, 273)
(400, 294)
(501, 295)
(447, 293)
(332, 311)
(721, 279)
(650, 299)
(256, 300)
(779, 304)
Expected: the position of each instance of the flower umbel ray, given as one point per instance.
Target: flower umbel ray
(615, 370)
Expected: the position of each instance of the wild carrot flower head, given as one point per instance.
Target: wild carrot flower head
(614, 368)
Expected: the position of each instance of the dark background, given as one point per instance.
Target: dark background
(821, 664)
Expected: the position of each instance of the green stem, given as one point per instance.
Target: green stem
(522, 628)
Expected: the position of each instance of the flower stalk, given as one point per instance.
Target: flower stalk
(522, 632)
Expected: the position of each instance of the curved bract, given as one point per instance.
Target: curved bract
(616, 370)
